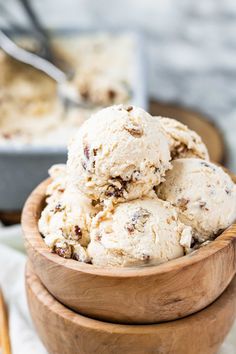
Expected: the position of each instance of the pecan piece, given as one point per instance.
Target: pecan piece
(58, 208)
(182, 204)
(202, 205)
(86, 152)
(116, 188)
(94, 202)
(135, 130)
(78, 232)
(64, 250)
(129, 227)
(113, 191)
(129, 108)
(138, 220)
(84, 164)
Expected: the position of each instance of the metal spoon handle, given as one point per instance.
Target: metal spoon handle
(34, 19)
(30, 58)
(38, 30)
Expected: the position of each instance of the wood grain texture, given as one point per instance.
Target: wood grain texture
(5, 343)
(65, 332)
(131, 295)
(196, 121)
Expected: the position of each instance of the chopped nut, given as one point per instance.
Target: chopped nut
(95, 152)
(58, 208)
(134, 129)
(228, 191)
(78, 232)
(129, 108)
(182, 204)
(94, 202)
(118, 252)
(98, 238)
(63, 250)
(86, 152)
(170, 219)
(179, 150)
(116, 188)
(141, 214)
(84, 164)
(138, 220)
(113, 191)
(129, 227)
(202, 205)
(156, 169)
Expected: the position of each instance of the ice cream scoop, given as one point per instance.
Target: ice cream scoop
(183, 141)
(120, 153)
(139, 232)
(66, 219)
(203, 193)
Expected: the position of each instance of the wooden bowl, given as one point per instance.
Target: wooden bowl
(131, 295)
(64, 331)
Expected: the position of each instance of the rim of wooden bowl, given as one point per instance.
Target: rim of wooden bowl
(43, 295)
(32, 210)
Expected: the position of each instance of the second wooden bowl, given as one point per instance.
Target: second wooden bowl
(131, 295)
(64, 331)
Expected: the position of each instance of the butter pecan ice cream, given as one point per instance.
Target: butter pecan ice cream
(126, 198)
(183, 141)
(66, 219)
(120, 153)
(204, 195)
(139, 232)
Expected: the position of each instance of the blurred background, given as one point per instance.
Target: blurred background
(190, 47)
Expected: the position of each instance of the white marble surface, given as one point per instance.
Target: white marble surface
(191, 47)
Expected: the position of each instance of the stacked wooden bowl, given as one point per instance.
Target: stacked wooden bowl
(183, 306)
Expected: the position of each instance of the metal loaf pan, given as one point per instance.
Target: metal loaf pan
(23, 167)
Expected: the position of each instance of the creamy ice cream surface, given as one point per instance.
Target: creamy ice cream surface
(120, 153)
(203, 193)
(183, 141)
(125, 198)
(139, 232)
(66, 219)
